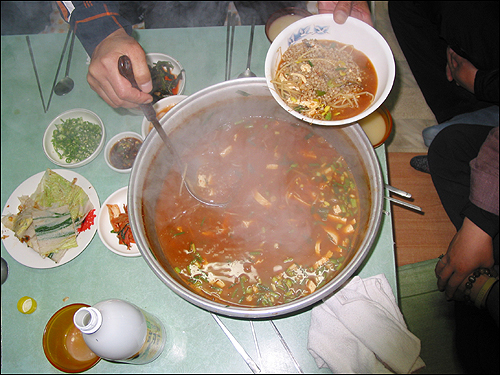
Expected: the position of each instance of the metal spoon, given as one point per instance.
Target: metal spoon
(66, 84)
(248, 72)
(125, 69)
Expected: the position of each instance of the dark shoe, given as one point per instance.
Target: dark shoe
(420, 163)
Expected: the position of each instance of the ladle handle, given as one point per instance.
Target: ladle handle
(70, 54)
(125, 69)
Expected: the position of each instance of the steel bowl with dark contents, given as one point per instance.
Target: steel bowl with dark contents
(305, 207)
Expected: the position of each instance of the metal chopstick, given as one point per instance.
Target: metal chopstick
(228, 33)
(283, 342)
(402, 194)
(231, 24)
(36, 72)
(249, 361)
(58, 68)
(233, 27)
(402, 203)
(256, 342)
(397, 191)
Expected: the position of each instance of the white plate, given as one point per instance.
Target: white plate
(110, 240)
(26, 255)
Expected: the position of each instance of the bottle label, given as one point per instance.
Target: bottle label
(153, 344)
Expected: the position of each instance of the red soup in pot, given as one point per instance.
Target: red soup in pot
(289, 228)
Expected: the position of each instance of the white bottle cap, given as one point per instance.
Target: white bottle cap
(88, 320)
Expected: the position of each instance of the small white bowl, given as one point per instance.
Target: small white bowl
(161, 107)
(362, 36)
(86, 115)
(153, 58)
(104, 227)
(115, 140)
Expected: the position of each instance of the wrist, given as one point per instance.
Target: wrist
(477, 286)
(482, 296)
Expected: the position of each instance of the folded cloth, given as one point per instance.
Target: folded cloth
(360, 329)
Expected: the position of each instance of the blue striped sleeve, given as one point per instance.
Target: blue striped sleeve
(93, 21)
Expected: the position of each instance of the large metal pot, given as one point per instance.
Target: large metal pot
(187, 123)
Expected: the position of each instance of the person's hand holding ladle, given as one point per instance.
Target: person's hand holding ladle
(66, 84)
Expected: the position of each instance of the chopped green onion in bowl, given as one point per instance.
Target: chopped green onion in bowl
(75, 140)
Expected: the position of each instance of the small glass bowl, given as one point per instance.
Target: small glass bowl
(63, 343)
(294, 12)
(371, 127)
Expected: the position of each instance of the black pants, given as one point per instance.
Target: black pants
(477, 334)
(425, 29)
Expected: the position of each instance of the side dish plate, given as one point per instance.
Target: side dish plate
(24, 254)
(110, 240)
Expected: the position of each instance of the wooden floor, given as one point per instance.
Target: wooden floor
(418, 237)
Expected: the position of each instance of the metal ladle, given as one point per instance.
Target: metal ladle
(66, 84)
(248, 73)
(125, 69)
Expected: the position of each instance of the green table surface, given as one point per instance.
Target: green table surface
(195, 343)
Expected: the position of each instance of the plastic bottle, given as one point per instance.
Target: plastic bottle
(119, 331)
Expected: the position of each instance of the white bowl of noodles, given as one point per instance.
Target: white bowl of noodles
(329, 83)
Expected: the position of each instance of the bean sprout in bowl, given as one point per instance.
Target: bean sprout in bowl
(263, 254)
(329, 74)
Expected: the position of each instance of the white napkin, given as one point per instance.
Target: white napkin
(360, 329)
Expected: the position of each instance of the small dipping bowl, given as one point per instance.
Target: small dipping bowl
(377, 126)
(282, 18)
(63, 343)
(121, 151)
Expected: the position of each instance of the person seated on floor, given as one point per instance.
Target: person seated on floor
(464, 166)
(452, 50)
(107, 37)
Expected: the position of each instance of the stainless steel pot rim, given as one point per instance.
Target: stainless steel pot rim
(135, 190)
